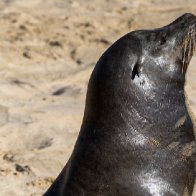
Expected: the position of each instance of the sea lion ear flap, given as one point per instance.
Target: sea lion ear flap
(135, 71)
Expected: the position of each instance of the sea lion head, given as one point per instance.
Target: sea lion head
(166, 52)
(142, 66)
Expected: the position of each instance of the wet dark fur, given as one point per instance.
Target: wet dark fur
(136, 138)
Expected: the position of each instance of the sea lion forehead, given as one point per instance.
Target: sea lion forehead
(150, 39)
(160, 36)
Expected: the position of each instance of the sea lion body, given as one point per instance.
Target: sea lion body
(137, 137)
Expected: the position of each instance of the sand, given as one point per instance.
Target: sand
(47, 52)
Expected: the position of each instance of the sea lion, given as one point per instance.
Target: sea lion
(137, 137)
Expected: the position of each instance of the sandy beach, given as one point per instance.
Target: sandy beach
(47, 52)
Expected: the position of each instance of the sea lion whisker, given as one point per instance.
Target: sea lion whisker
(188, 47)
(184, 54)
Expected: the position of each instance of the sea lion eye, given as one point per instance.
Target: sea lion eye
(163, 40)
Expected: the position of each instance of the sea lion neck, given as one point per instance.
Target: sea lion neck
(131, 102)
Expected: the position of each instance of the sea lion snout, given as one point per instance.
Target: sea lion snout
(184, 20)
(187, 16)
(184, 26)
(181, 43)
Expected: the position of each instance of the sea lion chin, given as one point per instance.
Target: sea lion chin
(137, 137)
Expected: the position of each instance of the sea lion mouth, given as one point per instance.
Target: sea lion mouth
(188, 46)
